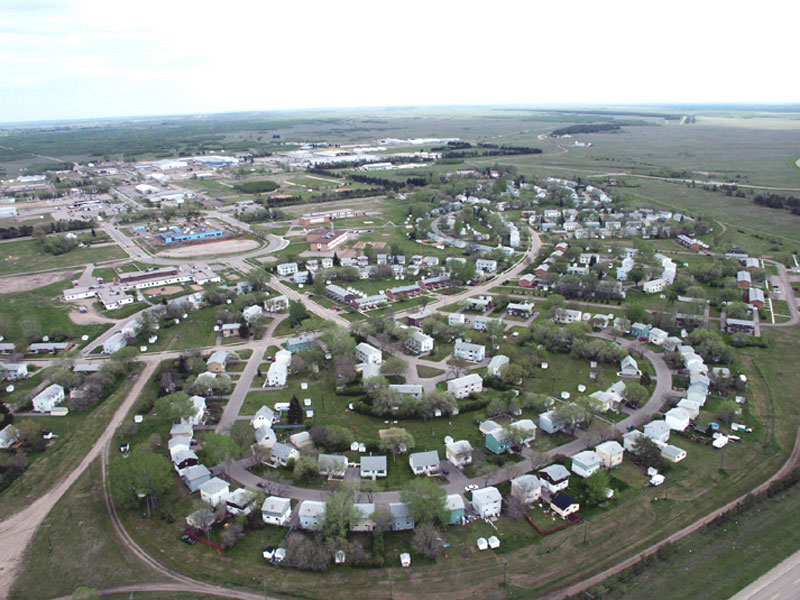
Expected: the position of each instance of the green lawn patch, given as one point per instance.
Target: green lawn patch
(24, 256)
(428, 372)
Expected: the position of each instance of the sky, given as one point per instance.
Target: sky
(79, 59)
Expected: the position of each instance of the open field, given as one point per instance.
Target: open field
(211, 249)
(24, 256)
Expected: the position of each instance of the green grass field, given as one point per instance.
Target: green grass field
(24, 256)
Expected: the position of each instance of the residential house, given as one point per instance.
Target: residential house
(690, 407)
(13, 371)
(564, 506)
(629, 367)
(9, 436)
(286, 269)
(49, 398)
(554, 478)
(528, 488)
(677, 419)
(654, 286)
(586, 463)
(301, 439)
(264, 416)
(756, 297)
(116, 342)
(743, 280)
(672, 453)
(657, 336)
(462, 387)
(240, 502)
(252, 312)
(468, 351)
(229, 330)
(419, 343)
(640, 331)
(630, 441)
(279, 369)
(195, 476)
(455, 507)
(283, 453)
(459, 453)
(217, 362)
(487, 502)
(182, 458)
(496, 365)
(311, 514)
(364, 521)
(527, 281)
(401, 517)
(367, 353)
(184, 430)
(487, 265)
(199, 411)
(520, 309)
(454, 319)
(333, 466)
(276, 510)
(277, 304)
(658, 431)
(373, 467)
(610, 453)
(497, 441)
(566, 316)
(416, 319)
(526, 428)
(549, 422)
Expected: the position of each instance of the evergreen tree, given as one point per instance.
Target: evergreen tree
(295, 412)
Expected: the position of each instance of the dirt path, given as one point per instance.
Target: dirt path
(17, 532)
(210, 248)
(92, 317)
(14, 284)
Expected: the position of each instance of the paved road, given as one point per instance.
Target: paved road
(788, 295)
(781, 583)
(17, 531)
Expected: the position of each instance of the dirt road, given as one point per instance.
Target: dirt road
(17, 532)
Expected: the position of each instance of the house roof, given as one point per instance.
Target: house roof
(214, 486)
(454, 502)
(527, 482)
(424, 459)
(276, 505)
(311, 508)
(282, 451)
(181, 429)
(555, 472)
(524, 425)
(470, 379)
(672, 451)
(399, 510)
(220, 356)
(562, 501)
(265, 412)
(609, 447)
(52, 391)
(182, 455)
(366, 509)
(498, 361)
(263, 433)
(373, 463)
(587, 457)
(459, 447)
(487, 494)
(195, 472)
(656, 428)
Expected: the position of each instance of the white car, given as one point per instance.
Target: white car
(280, 554)
(268, 553)
(471, 487)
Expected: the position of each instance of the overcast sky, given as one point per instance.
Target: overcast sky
(86, 58)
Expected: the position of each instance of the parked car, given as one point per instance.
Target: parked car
(471, 487)
(268, 553)
(187, 539)
(280, 554)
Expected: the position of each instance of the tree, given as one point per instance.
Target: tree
(554, 301)
(381, 517)
(636, 393)
(512, 374)
(645, 379)
(647, 453)
(393, 366)
(636, 275)
(232, 534)
(457, 365)
(426, 541)
(495, 330)
(140, 475)
(305, 468)
(514, 507)
(174, 407)
(496, 407)
(396, 440)
(297, 313)
(221, 449)
(571, 414)
(340, 512)
(242, 434)
(426, 501)
(727, 411)
(595, 487)
(295, 412)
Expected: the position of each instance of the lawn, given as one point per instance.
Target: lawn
(313, 323)
(39, 312)
(196, 331)
(25, 256)
(124, 311)
(21, 396)
(427, 372)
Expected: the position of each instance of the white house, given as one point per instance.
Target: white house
(554, 478)
(311, 514)
(677, 419)
(420, 342)
(657, 336)
(496, 364)
(276, 510)
(364, 521)
(487, 265)
(214, 491)
(673, 453)
(454, 319)
(658, 431)
(528, 488)
(468, 351)
(654, 286)
(610, 453)
(265, 436)
(48, 398)
(408, 389)
(14, 371)
(283, 453)
(550, 423)
(252, 312)
(8, 437)
(199, 411)
(565, 316)
(264, 417)
(629, 367)
(240, 502)
(586, 463)
(116, 342)
(692, 408)
(462, 387)
(459, 453)
(424, 463)
(367, 353)
(286, 269)
(487, 502)
(373, 467)
(279, 369)
(526, 427)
